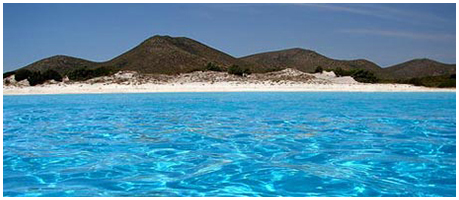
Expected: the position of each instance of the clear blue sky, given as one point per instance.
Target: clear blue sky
(383, 33)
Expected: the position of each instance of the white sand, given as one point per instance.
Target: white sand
(78, 88)
(288, 80)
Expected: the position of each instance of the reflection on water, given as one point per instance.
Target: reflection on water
(230, 144)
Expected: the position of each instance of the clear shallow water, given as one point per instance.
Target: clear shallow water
(230, 144)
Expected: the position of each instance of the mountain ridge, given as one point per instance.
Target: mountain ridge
(307, 60)
(174, 55)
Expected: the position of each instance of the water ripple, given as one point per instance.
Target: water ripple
(230, 144)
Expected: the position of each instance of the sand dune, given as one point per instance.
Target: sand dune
(288, 80)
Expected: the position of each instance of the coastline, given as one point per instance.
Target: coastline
(101, 88)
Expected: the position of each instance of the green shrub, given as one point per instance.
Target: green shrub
(427, 81)
(22, 74)
(190, 71)
(273, 69)
(341, 72)
(83, 74)
(213, 67)
(7, 74)
(319, 69)
(416, 82)
(36, 78)
(359, 75)
(80, 74)
(448, 83)
(52, 75)
(364, 76)
(102, 71)
(237, 70)
(432, 81)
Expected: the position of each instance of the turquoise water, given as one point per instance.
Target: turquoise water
(230, 144)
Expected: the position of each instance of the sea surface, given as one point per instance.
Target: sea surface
(230, 144)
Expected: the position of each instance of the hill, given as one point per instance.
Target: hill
(307, 61)
(418, 68)
(156, 55)
(60, 63)
(175, 55)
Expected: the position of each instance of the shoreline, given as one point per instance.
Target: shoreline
(104, 88)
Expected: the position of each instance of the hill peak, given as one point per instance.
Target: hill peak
(298, 49)
(159, 38)
(60, 57)
(167, 42)
(171, 55)
(423, 61)
(419, 67)
(306, 60)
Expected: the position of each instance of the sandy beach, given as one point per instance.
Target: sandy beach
(215, 87)
(288, 80)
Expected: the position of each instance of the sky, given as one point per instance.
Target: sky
(386, 34)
